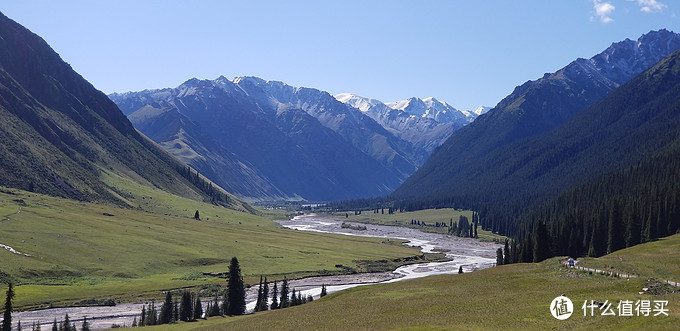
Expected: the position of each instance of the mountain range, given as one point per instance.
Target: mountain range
(511, 150)
(61, 136)
(266, 140)
(425, 123)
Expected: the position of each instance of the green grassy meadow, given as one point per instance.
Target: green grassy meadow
(510, 297)
(658, 259)
(429, 216)
(85, 250)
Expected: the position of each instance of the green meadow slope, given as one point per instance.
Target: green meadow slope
(82, 250)
(514, 297)
(658, 259)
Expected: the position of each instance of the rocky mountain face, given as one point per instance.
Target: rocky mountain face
(61, 136)
(533, 108)
(433, 109)
(359, 130)
(269, 141)
(424, 123)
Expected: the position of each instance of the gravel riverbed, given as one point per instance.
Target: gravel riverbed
(469, 253)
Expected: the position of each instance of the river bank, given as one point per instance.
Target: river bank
(468, 253)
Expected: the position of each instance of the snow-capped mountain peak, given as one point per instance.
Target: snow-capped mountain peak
(481, 110)
(433, 109)
(359, 102)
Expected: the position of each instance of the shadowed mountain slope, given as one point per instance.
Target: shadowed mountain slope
(61, 136)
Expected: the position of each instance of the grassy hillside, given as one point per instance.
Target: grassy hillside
(511, 297)
(82, 250)
(658, 259)
(58, 134)
(507, 297)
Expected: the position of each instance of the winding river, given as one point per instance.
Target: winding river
(468, 253)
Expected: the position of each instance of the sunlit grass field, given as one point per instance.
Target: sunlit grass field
(658, 259)
(429, 216)
(511, 297)
(84, 250)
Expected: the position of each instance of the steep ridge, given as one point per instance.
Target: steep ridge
(361, 131)
(634, 122)
(59, 135)
(472, 159)
(605, 180)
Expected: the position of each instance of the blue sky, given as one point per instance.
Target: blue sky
(467, 53)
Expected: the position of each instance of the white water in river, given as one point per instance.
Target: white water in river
(468, 253)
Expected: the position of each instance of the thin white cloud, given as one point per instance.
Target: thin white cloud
(604, 10)
(650, 6)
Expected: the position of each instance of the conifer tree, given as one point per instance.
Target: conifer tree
(323, 291)
(236, 294)
(265, 295)
(175, 313)
(541, 243)
(506, 252)
(142, 319)
(7, 316)
(167, 310)
(275, 299)
(293, 298)
(54, 325)
(215, 308)
(284, 301)
(197, 216)
(633, 229)
(598, 238)
(186, 307)
(499, 256)
(85, 326)
(152, 313)
(476, 234)
(67, 323)
(460, 269)
(198, 308)
(225, 304)
(616, 231)
(258, 303)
